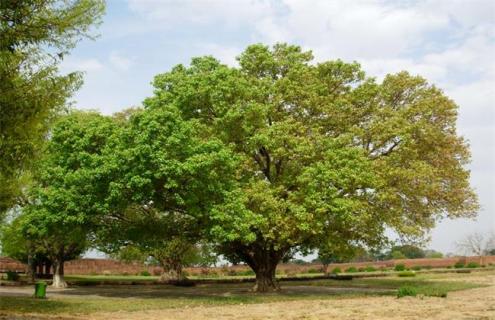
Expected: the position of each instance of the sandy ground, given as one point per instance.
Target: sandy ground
(467, 304)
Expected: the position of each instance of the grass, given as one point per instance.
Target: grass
(406, 291)
(83, 305)
(94, 305)
(424, 284)
(116, 278)
(87, 300)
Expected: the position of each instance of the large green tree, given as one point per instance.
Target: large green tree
(326, 153)
(64, 200)
(163, 176)
(34, 37)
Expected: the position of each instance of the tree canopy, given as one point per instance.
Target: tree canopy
(163, 178)
(63, 201)
(326, 153)
(34, 37)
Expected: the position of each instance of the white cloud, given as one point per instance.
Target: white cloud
(462, 12)
(120, 62)
(358, 28)
(170, 12)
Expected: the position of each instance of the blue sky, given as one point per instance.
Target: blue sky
(451, 43)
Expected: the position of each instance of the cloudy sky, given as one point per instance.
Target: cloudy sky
(451, 43)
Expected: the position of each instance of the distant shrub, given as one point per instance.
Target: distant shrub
(313, 270)
(383, 268)
(396, 254)
(370, 269)
(434, 255)
(361, 269)
(449, 267)
(12, 276)
(459, 265)
(400, 267)
(407, 274)
(248, 272)
(416, 268)
(145, 273)
(473, 265)
(336, 270)
(406, 291)
(351, 269)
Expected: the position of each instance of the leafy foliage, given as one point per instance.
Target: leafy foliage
(326, 155)
(161, 178)
(34, 37)
(406, 291)
(406, 251)
(399, 267)
(62, 203)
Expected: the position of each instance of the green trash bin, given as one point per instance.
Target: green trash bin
(40, 290)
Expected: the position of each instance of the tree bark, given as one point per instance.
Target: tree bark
(58, 274)
(325, 269)
(31, 269)
(264, 263)
(265, 277)
(172, 272)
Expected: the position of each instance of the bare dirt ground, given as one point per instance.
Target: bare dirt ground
(466, 304)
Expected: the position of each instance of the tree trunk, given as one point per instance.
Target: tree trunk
(263, 259)
(264, 264)
(31, 269)
(172, 272)
(325, 269)
(265, 277)
(58, 274)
